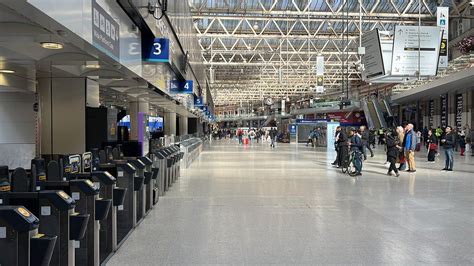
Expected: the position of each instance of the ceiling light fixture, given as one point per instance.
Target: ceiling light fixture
(93, 66)
(7, 71)
(52, 45)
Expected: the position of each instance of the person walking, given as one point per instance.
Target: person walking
(401, 155)
(448, 142)
(356, 147)
(409, 144)
(310, 138)
(393, 148)
(240, 133)
(341, 147)
(365, 142)
(462, 142)
(273, 134)
(432, 144)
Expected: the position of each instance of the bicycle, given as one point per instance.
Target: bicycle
(348, 166)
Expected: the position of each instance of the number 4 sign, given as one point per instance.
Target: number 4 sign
(159, 51)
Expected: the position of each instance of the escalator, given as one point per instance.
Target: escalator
(373, 115)
(368, 116)
(381, 114)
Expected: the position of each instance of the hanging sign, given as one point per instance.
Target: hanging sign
(320, 74)
(185, 87)
(105, 32)
(444, 110)
(442, 18)
(372, 60)
(416, 49)
(459, 110)
(198, 101)
(431, 113)
(159, 51)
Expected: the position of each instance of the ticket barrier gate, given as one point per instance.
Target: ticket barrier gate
(55, 209)
(86, 195)
(20, 242)
(140, 188)
(124, 174)
(159, 161)
(151, 175)
(106, 183)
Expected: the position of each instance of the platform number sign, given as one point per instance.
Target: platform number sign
(185, 87)
(198, 101)
(159, 51)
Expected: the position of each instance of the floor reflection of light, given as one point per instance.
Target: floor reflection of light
(411, 185)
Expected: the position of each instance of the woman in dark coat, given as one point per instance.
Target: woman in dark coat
(393, 148)
(432, 142)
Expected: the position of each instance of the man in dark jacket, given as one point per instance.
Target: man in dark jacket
(448, 142)
(341, 147)
(356, 147)
(273, 134)
(393, 148)
(365, 142)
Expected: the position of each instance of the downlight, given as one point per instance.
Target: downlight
(52, 45)
(7, 71)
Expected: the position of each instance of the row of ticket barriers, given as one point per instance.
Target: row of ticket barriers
(79, 209)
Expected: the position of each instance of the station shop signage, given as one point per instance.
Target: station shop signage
(431, 112)
(105, 32)
(444, 110)
(183, 87)
(158, 51)
(459, 110)
(442, 20)
(198, 101)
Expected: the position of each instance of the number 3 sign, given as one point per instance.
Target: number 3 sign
(159, 51)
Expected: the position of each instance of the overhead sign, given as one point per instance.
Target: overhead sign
(292, 129)
(416, 49)
(198, 101)
(442, 18)
(372, 60)
(159, 51)
(320, 74)
(185, 87)
(105, 32)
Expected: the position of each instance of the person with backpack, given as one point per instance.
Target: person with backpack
(240, 134)
(409, 143)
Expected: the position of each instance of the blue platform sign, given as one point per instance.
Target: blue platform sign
(182, 87)
(203, 108)
(159, 51)
(198, 101)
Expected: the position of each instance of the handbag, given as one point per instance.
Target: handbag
(433, 146)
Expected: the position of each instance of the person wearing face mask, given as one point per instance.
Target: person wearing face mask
(448, 142)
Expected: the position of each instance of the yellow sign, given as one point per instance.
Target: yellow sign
(5, 188)
(24, 212)
(42, 178)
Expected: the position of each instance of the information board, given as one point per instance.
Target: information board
(372, 59)
(459, 110)
(444, 110)
(442, 18)
(416, 48)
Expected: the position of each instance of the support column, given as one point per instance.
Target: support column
(137, 111)
(170, 124)
(183, 125)
(63, 115)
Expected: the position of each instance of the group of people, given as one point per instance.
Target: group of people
(400, 143)
(257, 135)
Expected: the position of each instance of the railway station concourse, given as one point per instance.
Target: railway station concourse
(243, 132)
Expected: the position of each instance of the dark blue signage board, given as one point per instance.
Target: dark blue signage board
(158, 51)
(185, 87)
(292, 129)
(198, 101)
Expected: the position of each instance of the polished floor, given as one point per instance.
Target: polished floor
(252, 205)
